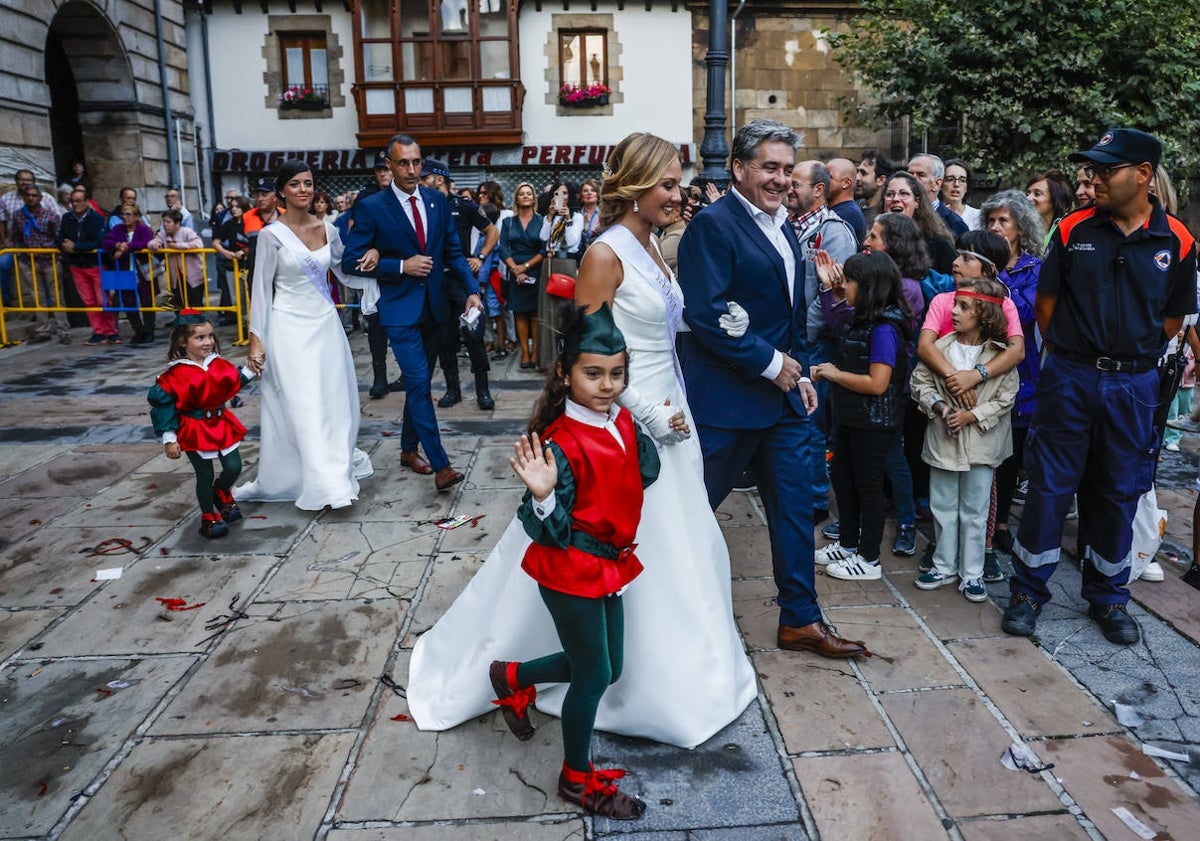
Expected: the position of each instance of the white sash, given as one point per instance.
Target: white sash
(317, 274)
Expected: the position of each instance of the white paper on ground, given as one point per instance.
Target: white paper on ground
(1127, 715)
(1139, 828)
(110, 574)
(1162, 753)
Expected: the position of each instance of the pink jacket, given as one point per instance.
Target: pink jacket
(193, 264)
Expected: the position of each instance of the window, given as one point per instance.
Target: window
(446, 71)
(583, 57)
(305, 68)
(304, 74)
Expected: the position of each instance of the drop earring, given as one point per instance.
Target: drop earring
(635, 206)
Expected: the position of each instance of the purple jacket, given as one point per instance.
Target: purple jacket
(138, 242)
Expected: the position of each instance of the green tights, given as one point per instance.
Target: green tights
(592, 633)
(231, 468)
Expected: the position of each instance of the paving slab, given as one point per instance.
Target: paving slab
(820, 705)
(756, 612)
(18, 627)
(25, 517)
(394, 494)
(571, 829)
(74, 474)
(57, 566)
(124, 617)
(449, 574)
(437, 775)
(306, 666)
(758, 832)
(495, 510)
(904, 657)
(958, 745)
(371, 560)
(140, 500)
(833, 592)
(58, 731)
(492, 470)
(749, 551)
(1034, 694)
(1025, 828)
(740, 509)
(263, 787)
(266, 528)
(1171, 600)
(837, 788)
(946, 612)
(735, 779)
(15, 458)
(1099, 774)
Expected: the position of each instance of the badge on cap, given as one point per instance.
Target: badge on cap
(1106, 139)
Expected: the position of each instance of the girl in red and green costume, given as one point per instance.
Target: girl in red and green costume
(585, 466)
(187, 408)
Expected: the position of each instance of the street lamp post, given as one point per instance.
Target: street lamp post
(714, 151)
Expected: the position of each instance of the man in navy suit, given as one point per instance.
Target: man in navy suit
(748, 391)
(404, 236)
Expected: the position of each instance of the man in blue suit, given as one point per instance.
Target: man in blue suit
(748, 391)
(404, 236)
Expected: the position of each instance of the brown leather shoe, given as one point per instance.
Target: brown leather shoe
(597, 792)
(447, 478)
(414, 462)
(512, 700)
(819, 639)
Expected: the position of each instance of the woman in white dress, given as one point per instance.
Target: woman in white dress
(686, 674)
(310, 407)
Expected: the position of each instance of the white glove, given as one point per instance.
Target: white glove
(735, 322)
(656, 417)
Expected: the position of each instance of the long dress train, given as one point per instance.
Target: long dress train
(686, 674)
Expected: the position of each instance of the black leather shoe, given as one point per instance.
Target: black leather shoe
(452, 397)
(1116, 624)
(1021, 616)
(485, 401)
(378, 389)
(397, 384)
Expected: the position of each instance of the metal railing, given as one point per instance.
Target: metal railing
(164, 272)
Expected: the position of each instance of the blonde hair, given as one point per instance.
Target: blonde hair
(517, 189)
(635, 165)
(1164, 190)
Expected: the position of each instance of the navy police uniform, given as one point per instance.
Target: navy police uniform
(1092, 432)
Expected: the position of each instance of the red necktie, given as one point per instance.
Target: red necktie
(417, 224)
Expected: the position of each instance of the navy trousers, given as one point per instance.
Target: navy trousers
(415, 348)
(1092, 435)
(781, 458)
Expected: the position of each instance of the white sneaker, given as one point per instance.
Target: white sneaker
(1152, 573)
(854, 568)
(1171, 447)
(834, 552)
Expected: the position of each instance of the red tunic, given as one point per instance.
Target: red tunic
(608, 507)
(197, 389)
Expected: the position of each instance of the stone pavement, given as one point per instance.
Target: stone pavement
(260, 713)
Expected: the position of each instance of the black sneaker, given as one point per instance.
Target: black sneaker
(1116, 623)
(926, 562)
(992, 573)
(1021, 616)
(905, 543)
(746, 482)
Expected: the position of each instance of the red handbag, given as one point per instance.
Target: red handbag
(561, 286)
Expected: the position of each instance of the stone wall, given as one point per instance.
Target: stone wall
(113, 53)
(786, 72)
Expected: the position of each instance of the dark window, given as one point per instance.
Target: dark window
(304, 65)
(583, 57)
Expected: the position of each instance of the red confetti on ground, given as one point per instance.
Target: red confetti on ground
(163, 550)
(178, 604)
(43, 787)
(386, 434)
(103, 691)
(56, 591)
(111, 546)
(35, 522)
(401, 717)
(475, 520)
(258, 516)
(151, 487)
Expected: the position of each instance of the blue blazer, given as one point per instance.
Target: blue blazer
(724, 256)
(380, 222)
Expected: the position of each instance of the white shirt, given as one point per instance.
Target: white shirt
(772, 228)
(543, 508)
(408, 208)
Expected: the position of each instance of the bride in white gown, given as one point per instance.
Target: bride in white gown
(686, 674)
(310, 408)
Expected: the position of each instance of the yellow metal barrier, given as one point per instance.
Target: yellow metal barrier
(164, 270)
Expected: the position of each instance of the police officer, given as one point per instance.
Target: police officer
(1115, 285)
(467, 216)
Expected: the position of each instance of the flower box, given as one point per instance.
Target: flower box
(304, 99)
(590, 96)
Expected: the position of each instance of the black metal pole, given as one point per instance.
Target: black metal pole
(714, 150)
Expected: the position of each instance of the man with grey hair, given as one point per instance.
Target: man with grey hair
(929, 170)
(750, 396)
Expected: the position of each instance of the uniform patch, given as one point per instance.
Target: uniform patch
(1163, 260)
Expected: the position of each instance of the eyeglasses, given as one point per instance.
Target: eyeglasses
(898, 194)
(1103, 172)
(955, 179)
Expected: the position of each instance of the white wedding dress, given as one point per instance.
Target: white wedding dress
(686, 674)
(310, 408)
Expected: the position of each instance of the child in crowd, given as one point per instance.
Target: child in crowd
(1181, 404)
(585, 466)
(867, 378)
(981, 255)
(187, 408)
(964, 450)
(185, 272)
